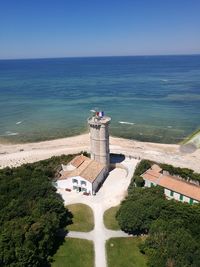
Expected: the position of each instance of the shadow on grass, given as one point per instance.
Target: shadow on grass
(60, 236)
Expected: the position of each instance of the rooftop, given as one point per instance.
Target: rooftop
(85, 167)
(99, 120)
(172, 183)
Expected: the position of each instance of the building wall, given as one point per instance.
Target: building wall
(69, 184)
(170, 195)
(104, 145)
(99, 180)
(176, 196)
(149, 183)
(94, 142)
(91, 188)
(99, 141)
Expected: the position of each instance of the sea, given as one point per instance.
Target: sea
(149, 98)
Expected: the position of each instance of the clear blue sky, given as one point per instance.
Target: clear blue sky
(62, 28)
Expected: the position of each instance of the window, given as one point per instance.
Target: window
(152, 184)
(74, 181)
(181, 197)
(75, 187)
(171, 193)
(83, 183)
(83, 189)
(191, 201)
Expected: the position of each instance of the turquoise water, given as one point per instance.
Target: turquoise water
(154, 98)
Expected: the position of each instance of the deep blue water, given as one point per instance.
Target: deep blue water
(50, 98)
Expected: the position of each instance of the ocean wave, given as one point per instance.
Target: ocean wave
(8, 133)
(164, 80)
(19, 122)
(126, 122)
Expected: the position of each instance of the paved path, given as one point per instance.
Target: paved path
(99, 236)
(112, 192)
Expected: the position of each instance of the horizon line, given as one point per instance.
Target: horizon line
(65, 57)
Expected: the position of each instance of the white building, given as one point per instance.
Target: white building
(82, 174)
(174, 187)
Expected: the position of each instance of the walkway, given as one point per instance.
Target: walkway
(112, 192)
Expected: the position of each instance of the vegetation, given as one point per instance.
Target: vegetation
(173, 227)
(140, 208)
(31, 213)
(171, 244)
(83, 219)
(123, 252)
(110, 218)
(137, 180)
(184, 173)
(74, 252)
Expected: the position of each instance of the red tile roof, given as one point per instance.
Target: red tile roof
(85, 167)
(180, 186)
(172, 183)
(78, 160)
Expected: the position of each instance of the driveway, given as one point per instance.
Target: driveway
(110, 194)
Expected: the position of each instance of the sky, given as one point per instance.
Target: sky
(82, 28)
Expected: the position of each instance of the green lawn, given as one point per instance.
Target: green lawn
(124, 252)
(74, 253)
(83, 219)
(110, 220)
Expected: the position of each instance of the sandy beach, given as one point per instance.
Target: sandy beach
(14, 155)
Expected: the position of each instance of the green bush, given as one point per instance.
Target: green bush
(185, 173)
(31, 213)
(139, 181)
(140, 169)
(173, 227)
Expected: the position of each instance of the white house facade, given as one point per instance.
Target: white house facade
(82, 174)
(76, 183)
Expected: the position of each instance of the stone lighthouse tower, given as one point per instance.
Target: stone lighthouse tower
(99, 138)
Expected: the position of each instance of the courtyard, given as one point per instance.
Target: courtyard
(110, 194)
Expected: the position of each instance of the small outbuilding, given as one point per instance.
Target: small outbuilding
(82, 174)
(174, 187)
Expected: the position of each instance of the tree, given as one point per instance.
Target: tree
(140, 208)
(170, 244)
(173, 227)
(140, 169)
(139, 181)
(31, 213)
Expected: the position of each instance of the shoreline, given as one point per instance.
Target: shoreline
(13, 155)
(7, 141)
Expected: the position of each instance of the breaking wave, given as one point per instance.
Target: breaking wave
(8, 133)
(19, 122)
(126, 122)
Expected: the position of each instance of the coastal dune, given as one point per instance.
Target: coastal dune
(13, 155)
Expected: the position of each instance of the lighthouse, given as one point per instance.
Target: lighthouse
(99, 138)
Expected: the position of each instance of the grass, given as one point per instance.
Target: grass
(75, 253)
(110, 220)
(123, 252)
(83, 219)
